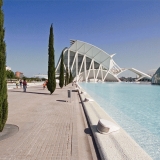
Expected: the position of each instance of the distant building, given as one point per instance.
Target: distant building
(19, 74)
(156, 77)
(41, 76)
(8, 68)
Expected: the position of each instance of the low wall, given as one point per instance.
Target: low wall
(114, 146)
(13, 85)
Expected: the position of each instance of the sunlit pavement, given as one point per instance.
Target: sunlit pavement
(49, 127)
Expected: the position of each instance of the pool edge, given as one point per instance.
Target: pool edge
(118, 145)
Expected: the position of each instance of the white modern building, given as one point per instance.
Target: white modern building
(89, 63)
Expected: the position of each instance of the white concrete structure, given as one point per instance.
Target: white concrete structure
(140, 74)
(89, 63)
(105, 127)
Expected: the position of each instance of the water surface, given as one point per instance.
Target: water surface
(135, 107)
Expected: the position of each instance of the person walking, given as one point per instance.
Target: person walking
(24, 85)
(20, 83)
(44, 85)
(17, 83)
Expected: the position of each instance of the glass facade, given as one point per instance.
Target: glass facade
(66, 58)
(72, 55)
(88, 63)
(96, 65)
(74, 70)
(80, 58)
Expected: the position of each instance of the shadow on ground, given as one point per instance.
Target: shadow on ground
(61, 100)
(34, 92)
(74, 91)
(8, 131)
(87, 131)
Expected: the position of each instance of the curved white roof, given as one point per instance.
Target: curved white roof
(105, 69)
(92, 52)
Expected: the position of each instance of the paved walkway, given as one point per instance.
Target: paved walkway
(49, 127)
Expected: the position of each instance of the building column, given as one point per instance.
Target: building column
(93, 71)
(69, 61)
(85, 68)
(101, 73)
(77, 67)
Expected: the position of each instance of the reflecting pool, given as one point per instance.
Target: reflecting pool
(135, 107)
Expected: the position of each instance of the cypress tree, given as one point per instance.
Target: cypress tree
(65, 81)
(51, 85)
(67, 76)
(3, 82)
(70, 77)
(61, 77)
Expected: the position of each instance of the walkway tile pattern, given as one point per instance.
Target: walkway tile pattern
(47, 126)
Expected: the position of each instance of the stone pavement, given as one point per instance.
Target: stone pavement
(49, 127)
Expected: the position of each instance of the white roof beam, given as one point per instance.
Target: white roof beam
(74, 60)
(82, 64)
(89, 69)
(105, 76)
(98, 71)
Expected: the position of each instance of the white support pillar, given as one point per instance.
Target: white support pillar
(68, 61)
(81, 65)
(58, 65)
(140, 77)
(60, 59)
(77, 67)
(89, 69)
(101, 73)
(98, 71)
(74, 60)
(85, 68)
(93, 71)
(105, 76)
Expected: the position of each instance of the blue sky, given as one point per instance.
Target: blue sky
(131, 29)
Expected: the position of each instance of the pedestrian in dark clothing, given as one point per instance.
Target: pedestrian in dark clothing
(24, 85)
(20, 83)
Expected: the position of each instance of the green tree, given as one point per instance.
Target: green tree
(51, 85)
(70, 77)
(67, 76)
(65, 81)
(10, 74)
(3, 83)
(61, 77)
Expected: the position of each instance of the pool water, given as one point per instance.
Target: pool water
(135, 107)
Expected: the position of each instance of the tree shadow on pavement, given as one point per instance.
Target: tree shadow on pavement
(34, 92)
(8, 131)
